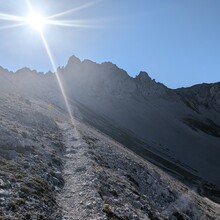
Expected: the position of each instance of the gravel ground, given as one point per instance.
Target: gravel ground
(51, 169)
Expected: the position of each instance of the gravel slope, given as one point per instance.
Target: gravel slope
(104, 180)
(51, 169)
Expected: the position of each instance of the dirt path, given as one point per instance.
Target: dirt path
(79, 198)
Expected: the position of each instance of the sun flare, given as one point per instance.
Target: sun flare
(36, 21)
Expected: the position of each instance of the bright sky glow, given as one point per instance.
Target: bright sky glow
(37, 21)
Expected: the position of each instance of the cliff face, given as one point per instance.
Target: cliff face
(202, 97)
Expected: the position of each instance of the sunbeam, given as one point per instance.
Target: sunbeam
(12, 26)
(53, 65)
(74, 9)
(9, 17)
(29, 5)
(71, 23)
(37, 21)
(57, 75)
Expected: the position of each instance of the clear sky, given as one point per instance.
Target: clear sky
(176, 41)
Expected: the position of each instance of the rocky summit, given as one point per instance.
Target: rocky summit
(135, 149)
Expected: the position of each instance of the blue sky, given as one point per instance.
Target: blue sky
(176, 41)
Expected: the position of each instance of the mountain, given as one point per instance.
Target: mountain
(137, 149)
(182, 124)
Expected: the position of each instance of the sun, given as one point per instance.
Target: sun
(36, 21)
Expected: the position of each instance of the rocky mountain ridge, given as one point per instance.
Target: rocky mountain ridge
(177, 130)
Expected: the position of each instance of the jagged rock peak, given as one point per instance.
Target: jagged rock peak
(4, 70)
(73, 60)
(27, 71)
(143, 76)
(87, 61)
(109, 64)
(24, 70)
(50, 73)
(114, 69)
